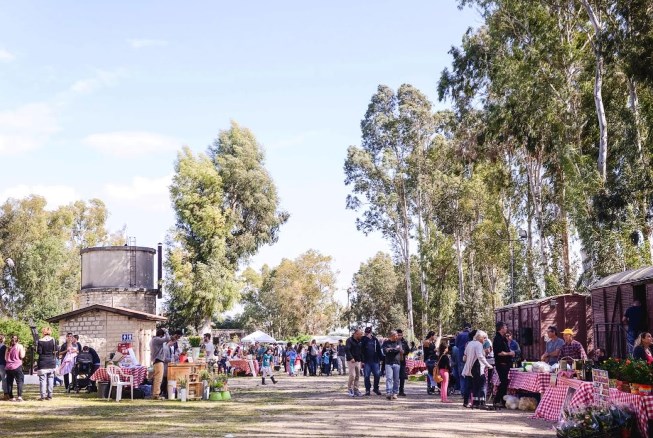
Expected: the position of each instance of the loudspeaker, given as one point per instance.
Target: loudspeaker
(526, 336)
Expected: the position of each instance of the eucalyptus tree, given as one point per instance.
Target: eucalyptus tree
(395, 126)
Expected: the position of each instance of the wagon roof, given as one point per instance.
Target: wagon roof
(535, 302)
(625, 277)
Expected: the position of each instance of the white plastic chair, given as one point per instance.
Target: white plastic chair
(118, 380)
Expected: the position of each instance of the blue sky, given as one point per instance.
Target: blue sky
(97, 98)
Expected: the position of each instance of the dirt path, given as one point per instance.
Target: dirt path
(319, 406)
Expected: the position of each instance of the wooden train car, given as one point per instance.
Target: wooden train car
(611, 296)
(528, 321)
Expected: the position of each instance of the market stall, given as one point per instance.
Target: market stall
(244, 366)
(526, 381)
(414, 366)
(139, 373)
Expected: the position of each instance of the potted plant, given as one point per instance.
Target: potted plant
(195, 342)
(205, 377)
(595, 421)
(182, 383)
(216, 389)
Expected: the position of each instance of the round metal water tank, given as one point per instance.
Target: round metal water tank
(118, 267)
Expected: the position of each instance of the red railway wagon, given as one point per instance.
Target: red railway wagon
(528, 321)
(611, 296)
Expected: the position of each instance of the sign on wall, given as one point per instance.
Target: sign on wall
(127, 337)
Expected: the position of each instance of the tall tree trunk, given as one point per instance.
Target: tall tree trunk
(459, 256)
(422, 235)
(564, 232)
(633, 103)
(598, 88)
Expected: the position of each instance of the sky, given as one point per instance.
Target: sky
(97, 98)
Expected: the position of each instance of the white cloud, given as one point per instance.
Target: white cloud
(139, 43)
(26, 127)
(6, 56)
(102, 78)
(155, 189)
(56, 195)
(131, 143)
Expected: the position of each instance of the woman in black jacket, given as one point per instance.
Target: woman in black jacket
(430, 358)
(47, 349)
(643, 347)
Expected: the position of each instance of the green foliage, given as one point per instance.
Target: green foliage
(295, 297)
(44, 247)
(10, 327)
(226, 209)
(300, 339)
(376, 295)
(195, 341)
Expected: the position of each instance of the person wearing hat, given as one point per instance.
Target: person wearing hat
(572, 348)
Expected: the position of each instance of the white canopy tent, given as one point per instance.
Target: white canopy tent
(257, 336)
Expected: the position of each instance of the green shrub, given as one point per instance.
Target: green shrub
(10, 327)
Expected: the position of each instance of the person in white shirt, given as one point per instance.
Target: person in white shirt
(474, 370)
(209, 348)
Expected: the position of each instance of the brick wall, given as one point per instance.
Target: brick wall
(142, 301)
(103, 331)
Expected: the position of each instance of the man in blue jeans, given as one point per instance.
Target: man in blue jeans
(371, 358)
(461, 342)
(392, 349)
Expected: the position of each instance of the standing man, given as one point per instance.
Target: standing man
(402, 362)
(553, 346)
(313, 352)
(502, 361)
(158, 353)
(354, 356)
(635, 320)
(342, 359)
(392, 350)
(371, 357)
(461, 342)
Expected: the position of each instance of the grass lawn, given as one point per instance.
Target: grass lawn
(294, 407)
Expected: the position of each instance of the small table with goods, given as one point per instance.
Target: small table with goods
(523, 380)
(553, 399)
(414, 366)
(642, 404)
(139, 373)
(189, 372)
(244, 365)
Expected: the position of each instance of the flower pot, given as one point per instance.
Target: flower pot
(215, 396)
(625, 387)
(645, 389)
(172, 387)
(196, 352)
(226, 395)
(634, 388)
(183, 392)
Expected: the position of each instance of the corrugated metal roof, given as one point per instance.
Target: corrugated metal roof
(625, 277)
(533, 302)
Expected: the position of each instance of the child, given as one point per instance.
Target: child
(291, 356)
(326, 361)
(266, 369)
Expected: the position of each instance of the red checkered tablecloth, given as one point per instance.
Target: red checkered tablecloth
(243, 365)
(413, 366)
(643, 405)
(550, 406)
(532, 382)
(139, 373)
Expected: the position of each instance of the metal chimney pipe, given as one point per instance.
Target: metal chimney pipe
(159, 269)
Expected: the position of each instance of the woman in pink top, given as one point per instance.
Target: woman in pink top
(14, 356)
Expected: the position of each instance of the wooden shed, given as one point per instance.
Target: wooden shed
(528, 321)
(611, 296)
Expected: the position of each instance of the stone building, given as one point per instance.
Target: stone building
(116, 303)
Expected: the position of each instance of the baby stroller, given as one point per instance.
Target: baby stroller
(82, 373)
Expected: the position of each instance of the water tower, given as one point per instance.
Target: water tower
(120, 276)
